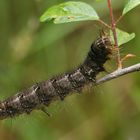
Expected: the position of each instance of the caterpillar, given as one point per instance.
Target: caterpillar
(58, 87)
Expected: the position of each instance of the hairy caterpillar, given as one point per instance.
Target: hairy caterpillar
(59, 87)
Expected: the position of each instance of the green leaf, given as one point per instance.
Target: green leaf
(69, 12)
(130, 5)
(123, 37)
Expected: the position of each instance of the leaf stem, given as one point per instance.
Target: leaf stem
(118, 19)
(113, 28)
(103, 23)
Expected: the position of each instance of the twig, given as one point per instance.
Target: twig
(113, 24)
(118, 73)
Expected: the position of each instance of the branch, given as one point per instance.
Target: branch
(118, 73)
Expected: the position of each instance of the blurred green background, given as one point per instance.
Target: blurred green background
(31, 52)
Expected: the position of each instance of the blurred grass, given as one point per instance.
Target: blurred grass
(32, 52)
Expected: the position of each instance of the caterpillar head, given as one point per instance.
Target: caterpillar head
(102, 49)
